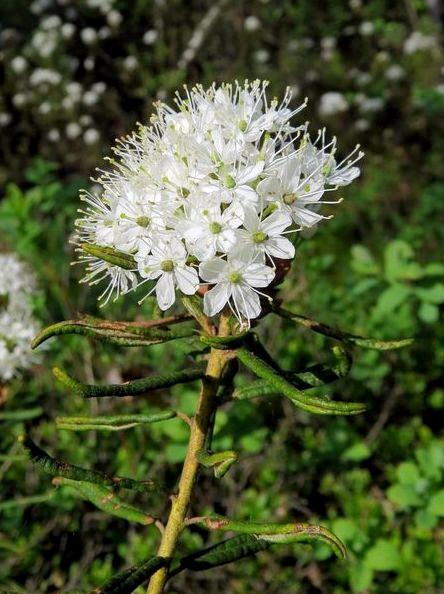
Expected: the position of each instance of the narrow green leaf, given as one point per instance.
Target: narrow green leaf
(228, 551)
(112, 423)
(21, 415)
(131, 388)
(61, 468)
(255, 389)
(193, 304)
(278, 533)
(106, 500)
(120, 333)
(25, 501)
(128, 580)
(368, 343)
(110, 255)
(221, 462)
(311, 404)
(319, 375)
(224, 342)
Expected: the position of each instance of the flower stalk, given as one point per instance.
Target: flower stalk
(201, 426)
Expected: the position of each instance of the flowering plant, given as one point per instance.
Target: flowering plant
(17, 322)
(201, 204)
(210, 192)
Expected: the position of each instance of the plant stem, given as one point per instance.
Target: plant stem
(201, 425)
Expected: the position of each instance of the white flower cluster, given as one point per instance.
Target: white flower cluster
(17, 324)
(210, 193)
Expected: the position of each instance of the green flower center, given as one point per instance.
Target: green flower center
(229, 182)
(215, 228)
(243, 125)
(235, 277)
(289, 198)
(167, 266)
(259, 237)
(143, 221)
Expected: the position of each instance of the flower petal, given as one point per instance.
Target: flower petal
(280, 247)
(165, 292)
(187, 279)
(277, 222)
(258, 275)
(216, 298)
(246, 301)
(213, 270)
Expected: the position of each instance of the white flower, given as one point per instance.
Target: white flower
(208, 230)
(88, 35)
(5, 118)
(114, 18)
(332, 103)
(418, 41)
(236, 281)
(17, 324)
(394, 72)
(252, 23)
(73, 130)
(265, 236)
(218, 181)
(150, 37)
(91, 136)
(366, 28)
(19, 64)
(167, 264)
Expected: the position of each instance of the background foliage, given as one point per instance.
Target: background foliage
(76, 74)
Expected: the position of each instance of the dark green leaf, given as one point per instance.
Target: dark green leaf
(110, 255)
(61, 468)
(114, 423)
(228, 551)
(106, 500)
(127, 581)
(281, 385)
(21, 415)
(120, 333)
(278, 533)
(132, 388)
(221, 462)
(369, 343)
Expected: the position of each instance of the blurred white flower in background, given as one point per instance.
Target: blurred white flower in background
(366, 28)
(114, 18)
(19, 100)
(88, 35)
(130, 63)
(17, 324)
(19, 64)
(369, 104)
(67, 30)
(215, 188)
(252, 23)
(73, 130)
(91, 136)
(418, 41)
(53, 135)
(394, 72)
(51, 22)
(332, 103)
(150, 37)
(5, 118)
(41, 76)
(261, 56)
